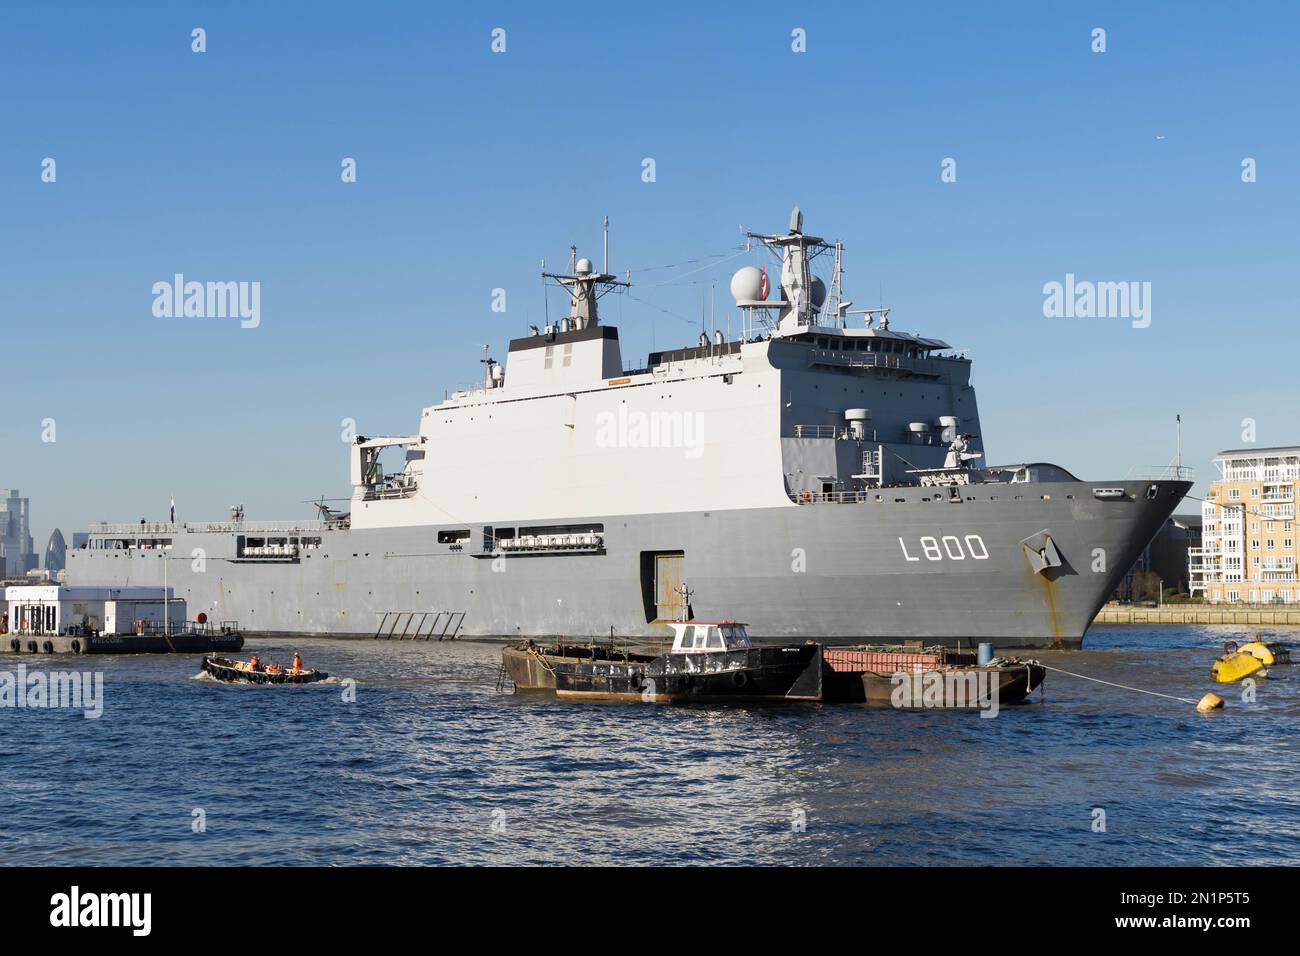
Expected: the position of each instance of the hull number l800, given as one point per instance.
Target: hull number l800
(948, 547)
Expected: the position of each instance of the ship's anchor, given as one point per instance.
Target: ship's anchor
(1041, 552)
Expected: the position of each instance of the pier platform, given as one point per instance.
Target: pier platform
(191, 639)
(1199, 614)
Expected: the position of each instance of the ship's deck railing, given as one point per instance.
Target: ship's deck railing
(837, 497)
(843, 432)
(820, 431)
(841, 359)
(139, 527)
(1159, 473)
(933, 493)
(179, 628)
(167, 527)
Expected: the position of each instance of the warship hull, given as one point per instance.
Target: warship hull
(938, 565)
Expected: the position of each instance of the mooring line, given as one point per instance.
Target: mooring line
(1111, 684)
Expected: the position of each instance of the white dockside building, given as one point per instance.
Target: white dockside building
(52, 608)
(1249, 547)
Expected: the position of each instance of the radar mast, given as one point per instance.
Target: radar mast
(585, 286)
(802, 293)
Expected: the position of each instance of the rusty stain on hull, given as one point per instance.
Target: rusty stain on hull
(1049, 591)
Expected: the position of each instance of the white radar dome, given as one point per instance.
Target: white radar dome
(746, 284)
(817, 291)
(584, 266)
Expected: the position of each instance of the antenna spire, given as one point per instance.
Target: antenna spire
(585, 285)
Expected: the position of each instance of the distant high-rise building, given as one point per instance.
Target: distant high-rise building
(56, 552)
(1250, 548)
(1164, 563)
(17, 554)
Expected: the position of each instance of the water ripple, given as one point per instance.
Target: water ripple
(430, 765)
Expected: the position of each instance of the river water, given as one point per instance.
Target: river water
(431, 764)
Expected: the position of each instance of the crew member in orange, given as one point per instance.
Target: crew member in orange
(297, 664)
(254, 664)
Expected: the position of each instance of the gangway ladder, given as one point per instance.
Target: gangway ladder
(504, 679)
(449, 632)
(441, 625)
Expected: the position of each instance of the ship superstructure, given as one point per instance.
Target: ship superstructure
(821, 470)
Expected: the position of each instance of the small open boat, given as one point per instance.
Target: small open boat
(247, 672)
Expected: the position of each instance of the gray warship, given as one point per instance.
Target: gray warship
(818, 474)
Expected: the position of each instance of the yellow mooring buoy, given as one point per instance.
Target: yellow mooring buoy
(1234, 665)
(1265, 653)
(1208, 703)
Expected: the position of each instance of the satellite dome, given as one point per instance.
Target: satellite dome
(584, 266)
(817, 292)
(746, 284)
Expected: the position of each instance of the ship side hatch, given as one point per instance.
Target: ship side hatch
(662, 575)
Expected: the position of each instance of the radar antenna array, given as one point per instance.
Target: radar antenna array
(585, 286)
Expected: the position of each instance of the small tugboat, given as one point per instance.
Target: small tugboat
(716, 661)
(709, 661)
(1235, 664)
(906, 678)
(257, 671)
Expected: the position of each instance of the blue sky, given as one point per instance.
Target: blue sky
(472, 166)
